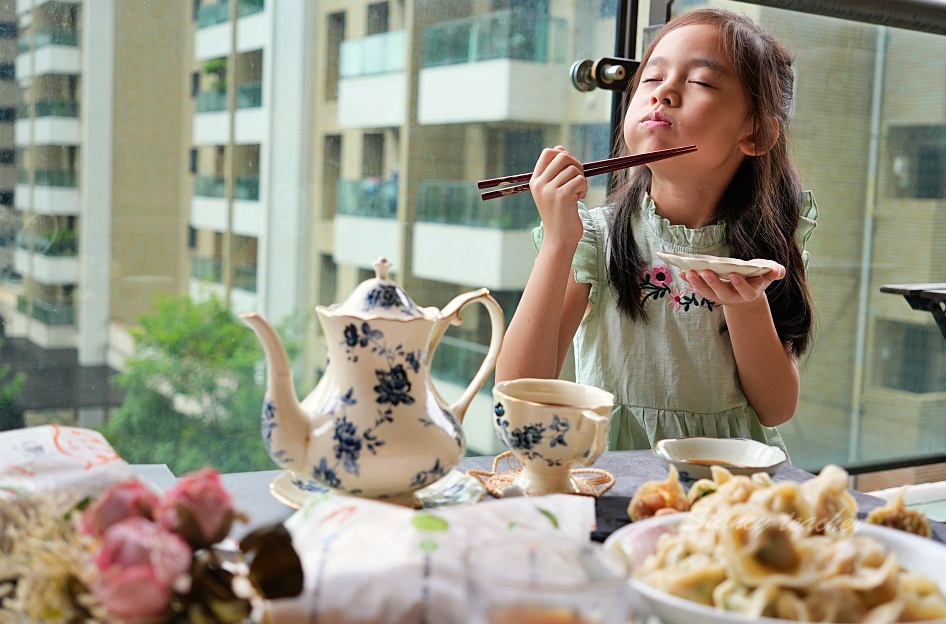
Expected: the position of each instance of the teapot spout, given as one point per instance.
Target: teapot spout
(285, 424)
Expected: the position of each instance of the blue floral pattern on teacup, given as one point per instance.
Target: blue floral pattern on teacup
(531, 435)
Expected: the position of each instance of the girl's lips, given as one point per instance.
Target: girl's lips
(655, 123)
(656, 120)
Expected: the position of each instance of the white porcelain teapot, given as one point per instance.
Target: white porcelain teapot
(374, 426)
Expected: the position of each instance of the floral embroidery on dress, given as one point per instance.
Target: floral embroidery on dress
(657, 282)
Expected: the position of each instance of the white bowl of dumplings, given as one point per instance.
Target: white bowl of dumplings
(694, 457)
(757, 550)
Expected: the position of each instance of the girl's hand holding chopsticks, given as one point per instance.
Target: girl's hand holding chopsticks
(558, 182)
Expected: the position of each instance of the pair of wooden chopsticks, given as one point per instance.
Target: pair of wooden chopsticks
(591, 169)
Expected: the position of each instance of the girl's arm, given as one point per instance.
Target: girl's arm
(552, 303)
(767, 371)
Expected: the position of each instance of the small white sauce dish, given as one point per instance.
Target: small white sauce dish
(694, 457)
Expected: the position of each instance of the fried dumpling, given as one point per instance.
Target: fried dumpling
(656, 495)
(896, 516)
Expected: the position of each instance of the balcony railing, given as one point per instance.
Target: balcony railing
(249, 95)
(207, 269)
(459, 203)
(58, 243)
(57, 108)
(244, 277)
(55, 177)
(509, 35)
(210, 14)
(48, 313)
(249, 7)
(457, 360)
(211, 101)
(209, 186)
(23, 176)
(56, 37)
(376, 54)
(24, 43)
(246, 187)
(367, 198)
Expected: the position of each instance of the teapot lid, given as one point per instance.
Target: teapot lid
(379, 297)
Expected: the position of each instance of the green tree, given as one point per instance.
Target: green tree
(193, 390)
(9, 390)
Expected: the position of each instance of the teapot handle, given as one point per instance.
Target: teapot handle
(450, 315)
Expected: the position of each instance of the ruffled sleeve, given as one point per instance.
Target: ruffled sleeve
(806, 224)
(588, 262)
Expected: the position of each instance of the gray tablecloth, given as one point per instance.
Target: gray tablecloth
(630, 469)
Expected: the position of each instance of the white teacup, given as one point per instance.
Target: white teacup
(551, 425)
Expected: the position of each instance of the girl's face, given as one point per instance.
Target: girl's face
(689, 94)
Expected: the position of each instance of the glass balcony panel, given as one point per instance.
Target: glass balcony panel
(249, 95)
(55, 177)
(58, 243)
(211, 14)
(246, 187)
(23, 111)
(56, 37)
(459, 203)
(244, 277)
(57, 108)
(50, 313)
(207, 269)
(367, 198)
(375, 54)
(209, 186)
(23, 176)
(508, 35)
(211, 101)
(249, 7)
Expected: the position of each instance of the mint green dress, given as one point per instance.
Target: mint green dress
(674, 375)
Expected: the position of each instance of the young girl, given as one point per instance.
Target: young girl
(685, 353)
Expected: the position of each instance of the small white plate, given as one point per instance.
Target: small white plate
(638, 540)
(694, 457)
(722, 267)
(456, 488)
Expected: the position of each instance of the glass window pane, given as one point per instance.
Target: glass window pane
(869, 133)
(254, 155)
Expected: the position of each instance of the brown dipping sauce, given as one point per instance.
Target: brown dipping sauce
(716, 462)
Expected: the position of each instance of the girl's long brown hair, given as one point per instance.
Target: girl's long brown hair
(761, 206)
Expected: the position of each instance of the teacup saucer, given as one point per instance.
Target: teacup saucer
(456, 488)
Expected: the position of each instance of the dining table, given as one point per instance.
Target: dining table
(929, 297)
(252, 495)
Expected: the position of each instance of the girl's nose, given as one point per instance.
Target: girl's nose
(665, 94)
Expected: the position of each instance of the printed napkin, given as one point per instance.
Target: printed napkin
(70, 462)
(368, 561)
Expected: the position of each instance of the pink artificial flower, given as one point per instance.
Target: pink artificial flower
(130, 499)
(660, 276)
(198, 508)
(138, 564)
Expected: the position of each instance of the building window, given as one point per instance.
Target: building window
(333, 54)
(910, 357)
(192, 161)
(195, 84)
(7, 114)
(917, 162)
(7, 157)
(377, 18)
(8, 30)
(191, 237)
(7, 71)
